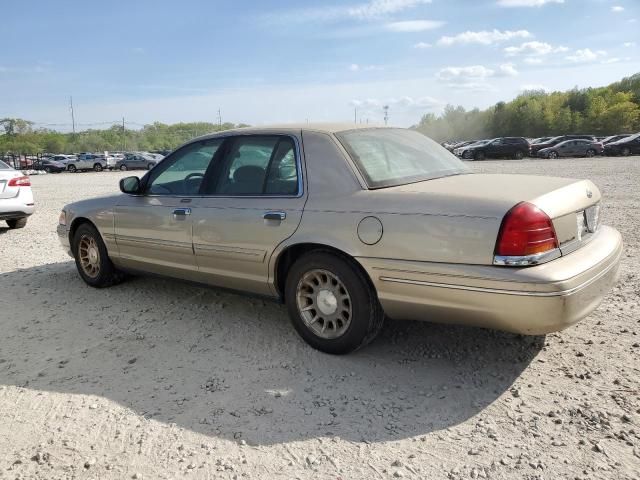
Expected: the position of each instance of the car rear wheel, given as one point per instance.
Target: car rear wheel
(553, 154)
(92, 260)
(72, 168)
(97, 167)
(123, 168)
(591, 153)
(47, 169)
(626, 151)
(519, 155)
(332, 304)
(17, 223)
(479, 156)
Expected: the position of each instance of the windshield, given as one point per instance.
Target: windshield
(4, 166)
(393, 156)
(627, 139)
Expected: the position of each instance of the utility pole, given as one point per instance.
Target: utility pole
(355, 114)
(124, 136)
(73, 119)
(386, 113)
(219, 119)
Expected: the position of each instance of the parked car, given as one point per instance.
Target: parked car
(503, 147)
(466, 151)
(626, 146)
(49, 165)
(535, 147)
(132, 161)
(64, 159)
(86, 161)
(615, 138)
(16, 197)
(368, 222)
(540, 140)
(572, 148)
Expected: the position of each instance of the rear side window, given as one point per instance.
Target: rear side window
(259, 165)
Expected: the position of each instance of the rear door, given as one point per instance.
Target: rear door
(252, 203)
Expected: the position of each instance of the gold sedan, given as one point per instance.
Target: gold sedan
(348, 224)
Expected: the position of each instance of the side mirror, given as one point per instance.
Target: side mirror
(130, 185)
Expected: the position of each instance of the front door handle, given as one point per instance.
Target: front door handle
(274, 216)
(181, 212)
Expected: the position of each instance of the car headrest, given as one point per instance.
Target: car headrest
(248, 174)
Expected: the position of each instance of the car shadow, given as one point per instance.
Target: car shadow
(231, 366)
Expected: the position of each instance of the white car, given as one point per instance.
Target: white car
(16, 198)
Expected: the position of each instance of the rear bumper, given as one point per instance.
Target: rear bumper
(531, 300)
(20, 206)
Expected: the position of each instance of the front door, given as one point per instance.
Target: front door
(154, 230)
(251, 204)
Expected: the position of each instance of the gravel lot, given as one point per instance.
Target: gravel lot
(159, 379)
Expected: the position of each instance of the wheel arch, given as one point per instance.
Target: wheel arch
(288, 256)
(76, 223)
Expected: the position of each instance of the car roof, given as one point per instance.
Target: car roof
(295, 127)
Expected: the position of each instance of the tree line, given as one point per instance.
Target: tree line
(20, 136)
(599, 111)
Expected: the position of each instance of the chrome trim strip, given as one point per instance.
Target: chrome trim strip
(527, 260)
(559, 293)
(246, 254)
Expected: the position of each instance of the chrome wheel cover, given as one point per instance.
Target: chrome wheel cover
(324, 304)
(89, 256)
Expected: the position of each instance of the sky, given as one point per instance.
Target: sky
(262, 62)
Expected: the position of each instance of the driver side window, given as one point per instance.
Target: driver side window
(182, 172)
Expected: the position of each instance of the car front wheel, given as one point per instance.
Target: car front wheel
(123, 167)
(97, 167)
(479, 156)
(72, 168)
(332, 304)
(591, 153)
(626, 151)
(519, 155)
(92, 259)
(553, 155)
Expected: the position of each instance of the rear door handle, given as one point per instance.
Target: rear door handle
(182, 211)
(274, 216)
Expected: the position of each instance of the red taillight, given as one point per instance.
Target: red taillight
(525, 230)
(19, 182)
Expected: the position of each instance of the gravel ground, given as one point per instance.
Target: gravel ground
(159, 379)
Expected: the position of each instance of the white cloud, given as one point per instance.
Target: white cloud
(469, 74)
(611, 60)
(508, 70)
(403, 104)
(483, 37)
(617, 9)
(585, 55)
(422, 45)
(629, 44)
(354, 67)
(533, 86)
(526, 3)
(534, 60)
(413, 25)
(379, 8)
(534, 49)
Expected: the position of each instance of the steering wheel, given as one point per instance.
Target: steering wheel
(190, 177)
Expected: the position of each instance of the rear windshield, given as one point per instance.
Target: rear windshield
(4, 166)
(392, 156)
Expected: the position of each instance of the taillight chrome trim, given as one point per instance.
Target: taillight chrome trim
(527, 260)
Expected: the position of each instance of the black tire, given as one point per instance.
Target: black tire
(367, 314)
(17, 223)
(72, 168)
(123, 168)
(466, 155)
(591, 153)
(47, 169)
(626, 151)
(519, 155)
(97, 167)
(108, 275)
(479, 156)
(553, 155)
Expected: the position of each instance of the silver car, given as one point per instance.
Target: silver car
(348, 224)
